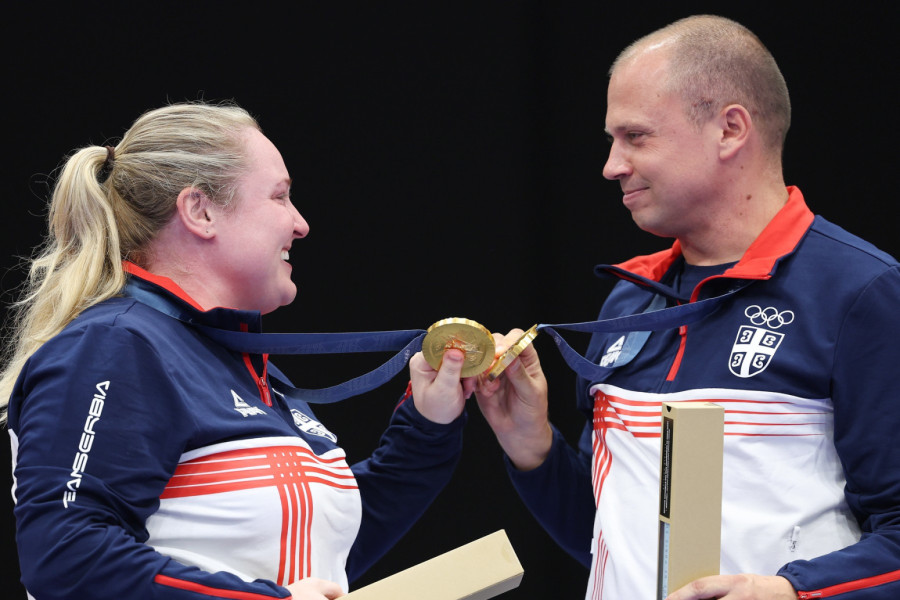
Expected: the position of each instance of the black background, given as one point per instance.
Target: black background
(448, 158)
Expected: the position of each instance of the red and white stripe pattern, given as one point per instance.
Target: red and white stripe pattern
(294, 472)
(744, 416)
(595, 584)
(626, 428)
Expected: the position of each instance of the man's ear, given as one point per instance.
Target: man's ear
(736, 125)
(196, 212)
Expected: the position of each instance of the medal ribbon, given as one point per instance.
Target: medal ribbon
(404, 342)
(407, 342)
(653, 319)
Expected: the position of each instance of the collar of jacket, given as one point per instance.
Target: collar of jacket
(779, 239)
(168, 297)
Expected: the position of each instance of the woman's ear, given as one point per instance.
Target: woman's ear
(196, 212)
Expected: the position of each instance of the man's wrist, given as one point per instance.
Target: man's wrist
(528, 452)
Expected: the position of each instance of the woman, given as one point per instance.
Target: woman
(151, 462)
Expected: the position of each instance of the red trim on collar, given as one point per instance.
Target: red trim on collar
(163, 282)
(779, 238)
(652, 266)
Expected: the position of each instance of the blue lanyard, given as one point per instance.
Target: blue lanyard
(404, 342)
(652, 319)
(407, 342)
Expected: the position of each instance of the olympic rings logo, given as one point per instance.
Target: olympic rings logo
(770, 317)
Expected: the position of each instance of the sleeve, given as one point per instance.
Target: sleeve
(413, 462)
(866, 396)
(558, 493)
(95, 426)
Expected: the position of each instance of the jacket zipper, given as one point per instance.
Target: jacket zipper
(264, 390)
(264, 394)
(682, 332)
(260, 380)
(673, 371)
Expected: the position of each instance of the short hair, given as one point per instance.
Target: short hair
(714, 62)
(109, 204)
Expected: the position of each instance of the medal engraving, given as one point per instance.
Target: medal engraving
(463, 334)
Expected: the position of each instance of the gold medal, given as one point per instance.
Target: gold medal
(462, 334)
(512, 352)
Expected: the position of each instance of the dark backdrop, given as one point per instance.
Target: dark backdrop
(448, 159)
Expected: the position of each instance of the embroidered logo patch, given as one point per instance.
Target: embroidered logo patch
(756, 343)
(311, 426)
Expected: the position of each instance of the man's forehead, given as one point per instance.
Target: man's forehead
(649, 64)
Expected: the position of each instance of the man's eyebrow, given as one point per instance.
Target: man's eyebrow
(628, 126)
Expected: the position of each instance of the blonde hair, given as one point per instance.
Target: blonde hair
(714, 62)
(96, 222)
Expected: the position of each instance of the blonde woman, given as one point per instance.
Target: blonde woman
(152, 462)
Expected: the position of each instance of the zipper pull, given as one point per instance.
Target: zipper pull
(264, 391)
(795, 538)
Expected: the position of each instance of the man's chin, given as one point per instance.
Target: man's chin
(651, 226)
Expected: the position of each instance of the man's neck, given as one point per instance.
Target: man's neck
(733, 229)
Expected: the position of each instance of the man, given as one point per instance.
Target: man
(697, 115)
